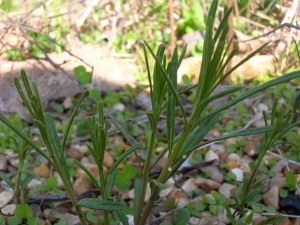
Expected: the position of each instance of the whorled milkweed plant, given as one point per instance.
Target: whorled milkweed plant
(165, 97)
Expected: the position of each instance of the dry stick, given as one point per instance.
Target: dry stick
(272, 31)
(281, 157)
(280, 214)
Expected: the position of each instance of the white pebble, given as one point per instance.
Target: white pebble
(238, 173)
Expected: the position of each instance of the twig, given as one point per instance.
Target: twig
(280, 214)
(281, 157)
(272, 31)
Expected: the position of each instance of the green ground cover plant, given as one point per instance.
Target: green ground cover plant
(166, 100)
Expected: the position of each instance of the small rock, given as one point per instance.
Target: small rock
(71, 219)
(108, 160)
(85, 160)
(92, 168)
(82, 148)
(36, 210)
(5, 197)
(217, 148)
(33, 183)
(226, 190)
(286, 221)
(147, 196)
(8, 210)
(59, 181)
(165, 192)
(179, 197)
(238, 174)
(119, 141)
(75, 153)
(82, 184)
(130, 219)
(262, 107)
(68, 103)
(3, 164)
(14, 162)
(207, 184)
(233, 161)
(216, 174)
(143, 101)
(119, 107)
(257, 221)
(279, 166)
(278, 180)
(272, 197)
(189, 185)
(42, 170)
(49, 216)
(211, 155)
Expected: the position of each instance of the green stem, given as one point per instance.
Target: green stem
(145, 175)
(164, 175)
(18, 183)
(69, 188)
(103, 192)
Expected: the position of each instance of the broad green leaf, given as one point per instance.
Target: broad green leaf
(82, 75)
(290, 179)
(98, 204)
(51, 183)
(14, 220)
(183, 216)
(23, 211)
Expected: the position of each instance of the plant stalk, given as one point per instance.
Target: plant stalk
(164, 175)
(145, 174)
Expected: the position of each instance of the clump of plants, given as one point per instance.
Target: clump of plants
(166, 99)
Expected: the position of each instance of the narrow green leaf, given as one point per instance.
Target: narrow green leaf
(241, 133)
(171, 105)
(165, 74)
(54, 140)
(123, 217)
(290, 179)
(88, 173)
(137, 191)
(68, 127)
(152, 121)
(23, 136)
(149, 76)
(107, 205)
(255, 90)
(111, 181)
